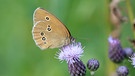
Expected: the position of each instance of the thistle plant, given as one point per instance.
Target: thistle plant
(116, 52)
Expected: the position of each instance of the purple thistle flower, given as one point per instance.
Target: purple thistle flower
(133, 59)
(72, 53)
(116, 53)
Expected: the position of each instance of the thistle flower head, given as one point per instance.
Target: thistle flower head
(71, 51)
(116, 53)
(133, 59)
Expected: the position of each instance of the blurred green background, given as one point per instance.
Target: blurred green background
(87, 20)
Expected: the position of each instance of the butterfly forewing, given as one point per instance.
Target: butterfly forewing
(48, 31)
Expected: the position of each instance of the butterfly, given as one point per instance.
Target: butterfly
(48, 31)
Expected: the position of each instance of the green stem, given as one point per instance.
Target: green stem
(130, 14)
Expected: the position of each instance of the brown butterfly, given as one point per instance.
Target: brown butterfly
(48, 31)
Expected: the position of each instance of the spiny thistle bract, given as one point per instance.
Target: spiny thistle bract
(77, 68)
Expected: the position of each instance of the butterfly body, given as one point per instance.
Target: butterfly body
(48, 31)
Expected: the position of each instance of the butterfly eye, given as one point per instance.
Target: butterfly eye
(44, 42)
(49, 29)
(43, 38)
(47, 18)
(42, 33)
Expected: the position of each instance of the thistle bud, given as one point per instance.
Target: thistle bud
(122, 71)
(128, 52)
(93, 64)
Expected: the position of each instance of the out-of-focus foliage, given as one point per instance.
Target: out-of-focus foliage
(87, 20)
